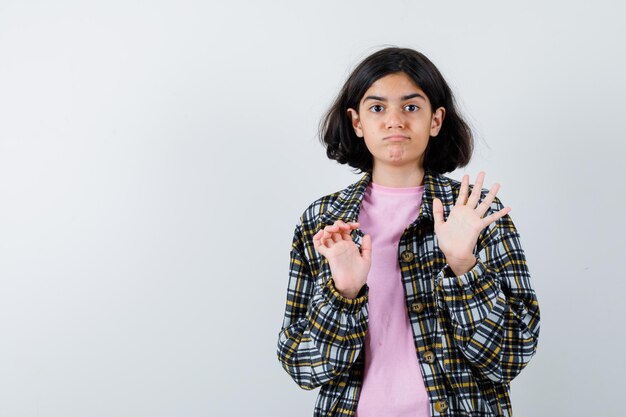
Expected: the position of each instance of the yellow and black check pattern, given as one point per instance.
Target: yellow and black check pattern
(473, 333)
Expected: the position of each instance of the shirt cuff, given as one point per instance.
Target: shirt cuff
(452, 284)
(334, 298)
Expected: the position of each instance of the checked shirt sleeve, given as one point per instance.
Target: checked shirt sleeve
(493, 308)
(323, 332)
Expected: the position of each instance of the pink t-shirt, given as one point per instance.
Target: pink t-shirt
(392, 383)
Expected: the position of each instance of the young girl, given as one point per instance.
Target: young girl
(409, 292)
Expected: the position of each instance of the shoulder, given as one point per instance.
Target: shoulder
(311, 214)
(309, 222)
(342, 204)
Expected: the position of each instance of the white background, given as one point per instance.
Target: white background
(156, 156)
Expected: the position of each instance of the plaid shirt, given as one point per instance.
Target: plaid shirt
(473, 333)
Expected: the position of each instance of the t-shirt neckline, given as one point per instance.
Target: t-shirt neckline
(395, 190)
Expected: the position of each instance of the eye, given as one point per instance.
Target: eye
(411, 107)
(376, 108)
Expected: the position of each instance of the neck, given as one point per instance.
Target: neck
(398, 176)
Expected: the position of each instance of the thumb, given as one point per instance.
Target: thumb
(437, 211)
(366, 248)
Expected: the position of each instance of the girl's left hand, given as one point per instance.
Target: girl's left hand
(458, 235)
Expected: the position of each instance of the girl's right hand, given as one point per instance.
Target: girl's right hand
(348, 267)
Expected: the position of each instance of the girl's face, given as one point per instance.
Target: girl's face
(396, 121)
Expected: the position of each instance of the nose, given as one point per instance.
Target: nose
(394, 119)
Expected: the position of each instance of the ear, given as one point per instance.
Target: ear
(437, 121)
(356, 122)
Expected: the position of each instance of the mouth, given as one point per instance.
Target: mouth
(396, 138)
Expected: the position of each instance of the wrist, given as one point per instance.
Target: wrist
(350, 293)
(462, 267)
(338, 301)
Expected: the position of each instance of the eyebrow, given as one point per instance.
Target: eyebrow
(407, 97)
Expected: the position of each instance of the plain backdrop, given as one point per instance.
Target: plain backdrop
(156, 156)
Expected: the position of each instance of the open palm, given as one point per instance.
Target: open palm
(457, 236)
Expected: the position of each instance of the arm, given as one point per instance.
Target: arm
(322, 332)
(492, 308)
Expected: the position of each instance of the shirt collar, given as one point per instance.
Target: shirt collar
(346, 206)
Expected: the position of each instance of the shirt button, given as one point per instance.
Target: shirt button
(441, 406)
(429, 357)
(407, 256)
(417, 307)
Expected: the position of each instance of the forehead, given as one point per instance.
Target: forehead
(393, 86)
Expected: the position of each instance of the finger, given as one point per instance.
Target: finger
(331, 228)
(343, 224)
(331, 237)
(326, 237)
(463, 191)
(344, 228)
(366, 247)
(323, 237)
(495, 216)
(353, 226)
(316, 238)
(346, 234)
(438, 211)
(339, 227)
(340, 224)
(317, 243)
(349, 226)
(486, 203)
(472, 201)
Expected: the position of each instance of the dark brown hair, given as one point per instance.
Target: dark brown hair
(454, 144)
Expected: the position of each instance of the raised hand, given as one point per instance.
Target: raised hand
(349, 268)
(457, 236)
